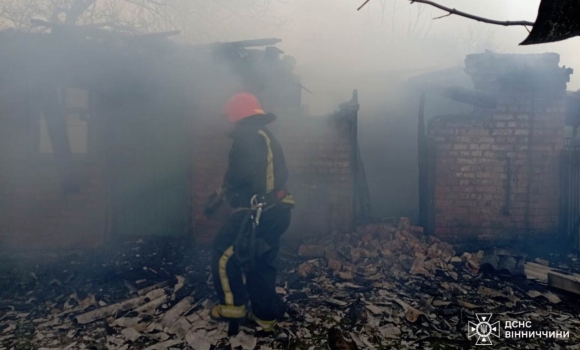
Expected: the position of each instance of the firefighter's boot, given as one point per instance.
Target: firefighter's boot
(267, 326)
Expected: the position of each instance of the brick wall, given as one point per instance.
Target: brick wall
(496, 171)
(33, 212)
(318, 154)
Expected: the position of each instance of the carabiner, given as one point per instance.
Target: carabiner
(254, 202)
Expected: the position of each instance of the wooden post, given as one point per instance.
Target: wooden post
(423, 166)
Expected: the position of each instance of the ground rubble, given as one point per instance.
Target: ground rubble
(384, 286)
(414, 291)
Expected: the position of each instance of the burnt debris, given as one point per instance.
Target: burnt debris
(385, 285)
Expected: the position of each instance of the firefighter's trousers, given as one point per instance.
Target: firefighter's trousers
(261, 276)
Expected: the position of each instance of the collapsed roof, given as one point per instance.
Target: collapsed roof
(87, 57)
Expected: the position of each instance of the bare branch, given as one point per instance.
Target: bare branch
(447, 15)
(473, 17)
(198, 20)
(363, 5)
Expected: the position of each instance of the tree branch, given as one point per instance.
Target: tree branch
(447, 15)
(473, 17)
(363, 5)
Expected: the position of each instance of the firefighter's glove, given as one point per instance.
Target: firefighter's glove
(213, 203)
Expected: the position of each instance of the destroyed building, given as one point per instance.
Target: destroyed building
(452, 177)
(107, 137)
(496, 172)
(111, 136)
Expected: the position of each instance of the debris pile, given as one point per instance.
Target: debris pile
(389, 285)
(383, 286)
(381, 251)
(127, 296)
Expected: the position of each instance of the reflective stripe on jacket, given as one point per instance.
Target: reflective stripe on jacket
(256, 163)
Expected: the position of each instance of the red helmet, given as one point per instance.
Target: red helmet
(241, 106)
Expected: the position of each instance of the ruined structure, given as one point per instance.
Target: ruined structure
(108, 136)
(494, 173)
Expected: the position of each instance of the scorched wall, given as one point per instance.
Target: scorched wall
(496, 171)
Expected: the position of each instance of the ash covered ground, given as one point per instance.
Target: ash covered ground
(383, 287)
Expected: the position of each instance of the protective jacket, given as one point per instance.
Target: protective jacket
(256, 165)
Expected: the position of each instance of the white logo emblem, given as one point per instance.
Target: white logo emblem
(483, 330)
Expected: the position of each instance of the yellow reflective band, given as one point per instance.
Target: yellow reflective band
(267, 326)
(224, 275)
(288, 199)
(227, 311)
(270, 168)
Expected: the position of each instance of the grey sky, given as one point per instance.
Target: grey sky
(335, 45)
(316, 30)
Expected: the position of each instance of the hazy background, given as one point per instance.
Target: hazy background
(376, 50)
(337, 49)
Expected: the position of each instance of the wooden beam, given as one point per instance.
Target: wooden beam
(106, 311)
(537, 276)
(537, 272)
(564, 282)
(537, 266)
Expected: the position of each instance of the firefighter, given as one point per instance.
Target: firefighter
(256, 172)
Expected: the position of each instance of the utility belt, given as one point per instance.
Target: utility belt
(276, 197)
(247, 245)
(282, 196)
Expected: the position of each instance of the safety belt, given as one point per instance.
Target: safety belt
(245, 243)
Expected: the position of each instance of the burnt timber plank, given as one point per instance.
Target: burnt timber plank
(564, 282)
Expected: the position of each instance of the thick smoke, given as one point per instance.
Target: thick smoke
(384, 51)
